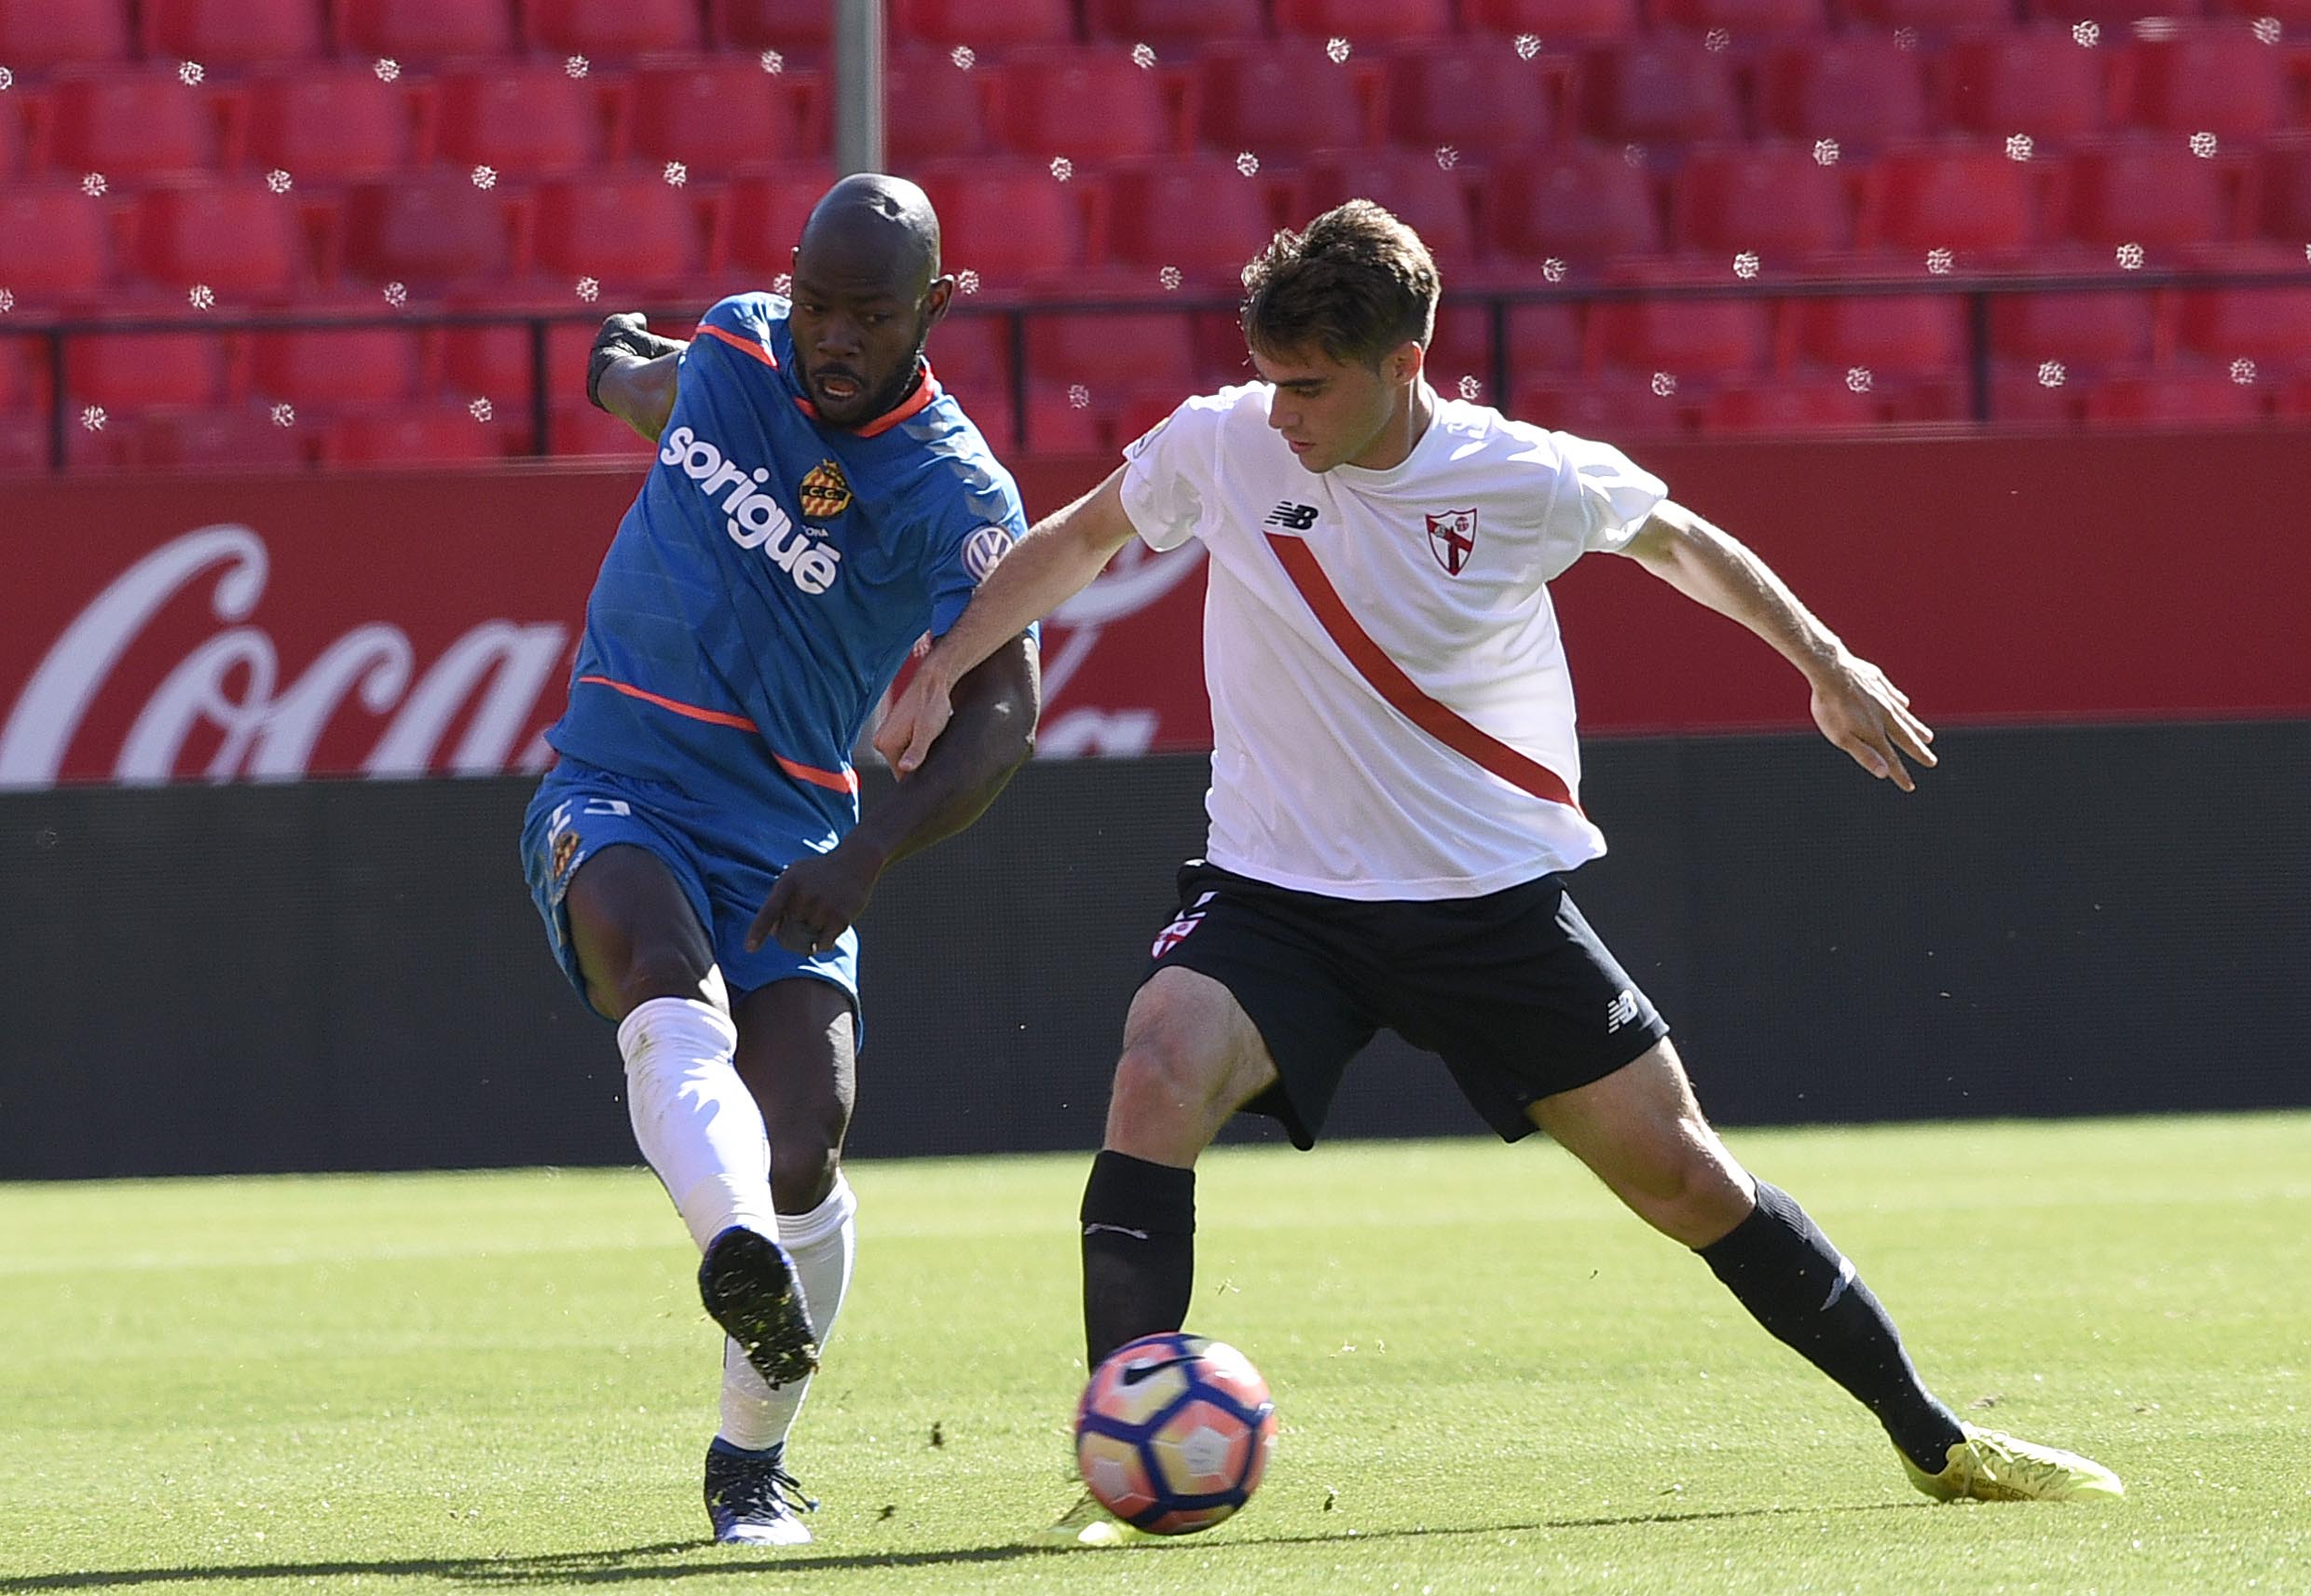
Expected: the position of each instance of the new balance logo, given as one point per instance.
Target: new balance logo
(1622, 1010)
(1299, 517)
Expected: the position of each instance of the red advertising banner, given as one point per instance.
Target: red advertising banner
(225, 628)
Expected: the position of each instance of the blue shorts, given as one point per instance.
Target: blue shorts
(725, 867)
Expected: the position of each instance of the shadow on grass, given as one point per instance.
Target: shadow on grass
(625, 1565)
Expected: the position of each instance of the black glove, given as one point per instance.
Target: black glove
(625, 333)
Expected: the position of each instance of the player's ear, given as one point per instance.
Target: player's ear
(935, 300)
(1406, 362)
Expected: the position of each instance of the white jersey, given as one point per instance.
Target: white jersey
(1392, 716)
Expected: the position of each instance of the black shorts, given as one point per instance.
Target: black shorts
(1512, 990)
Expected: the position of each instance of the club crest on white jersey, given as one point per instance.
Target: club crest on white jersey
(753, 519)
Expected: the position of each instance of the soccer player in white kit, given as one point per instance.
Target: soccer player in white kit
(1394, 806)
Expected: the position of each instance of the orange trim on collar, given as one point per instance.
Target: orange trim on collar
(913, 405)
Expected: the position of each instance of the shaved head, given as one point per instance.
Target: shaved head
(867, 291)
(871, 218)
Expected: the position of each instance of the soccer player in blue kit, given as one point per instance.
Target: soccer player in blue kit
(817, 505)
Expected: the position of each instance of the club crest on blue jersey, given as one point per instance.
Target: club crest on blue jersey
(826, 492)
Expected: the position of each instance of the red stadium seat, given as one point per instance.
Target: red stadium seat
(23, 442)
(1919, 334)
(235, 236)
(1664, 90)
(131, 371)
(11, 141)
(972, 353)
(327, 367)
(1690, 338)
(2270, 326)
(37, 34)
(1544, 339)
(1586, 206)
(1362, 20)
(1201, 216)
(2025, 80)
(1112, 350)
(2229, 84)
(1553, 20)
(1067, 420)
(1480, 101)
(791, 27)
(1013, 223)
(1434, 203)
(1617, 407)
(1278, 100)
(2113, 15)
(1745, 19)
(767, 213)
(1788, 406)
(2175, 399)
(235, 439)
(426, 30)
(1779, 202)
(2286, 191)
(1863, 90)
(1174, 22)
(982, 24)
(129, 125)
(522, 119)
(233, 32)
(933, 111)
(628, 230)
(2087, 330)
(2292, 14)
(1462, 347)
(613, 30)
(495, 362)
(421, 436)
(1974, 202)
(580, 430)
(1934, 15)
(1084, 104)
(714, 113)
(425, 231)
(53, 243)
(2155, 194)
(328, 124)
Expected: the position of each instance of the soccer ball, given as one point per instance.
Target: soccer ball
(1173, 1433)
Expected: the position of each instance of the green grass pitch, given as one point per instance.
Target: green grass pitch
(1490, 1377)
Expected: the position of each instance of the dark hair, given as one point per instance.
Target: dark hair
(1356, 284)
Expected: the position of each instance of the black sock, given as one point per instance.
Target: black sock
(1139, 1251)
(1801, 1288)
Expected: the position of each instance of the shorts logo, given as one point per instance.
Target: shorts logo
(1452, 539)
(1622, 1010)
(1177, 931)
(983, 549)
(826, 492)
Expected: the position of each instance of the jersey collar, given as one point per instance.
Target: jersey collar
(926, 393)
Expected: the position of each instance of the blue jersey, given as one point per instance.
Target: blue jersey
(773, 577)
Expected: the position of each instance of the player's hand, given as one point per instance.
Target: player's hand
(623, 334)
(916, 718)
(816, 900)
(1865, 713)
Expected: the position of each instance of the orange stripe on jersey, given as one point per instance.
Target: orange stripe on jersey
(747, 346)
(1403, 694)
(836, 781)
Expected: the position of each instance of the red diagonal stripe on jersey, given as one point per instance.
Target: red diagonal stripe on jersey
(1402, 693)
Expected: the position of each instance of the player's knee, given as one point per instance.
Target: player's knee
(1689, 1186)
(669, 970)
(1162, 1078)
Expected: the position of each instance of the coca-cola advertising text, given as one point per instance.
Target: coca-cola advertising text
(254, 628)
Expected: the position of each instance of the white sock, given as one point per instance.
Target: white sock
(822, 1244)
(693, 1118)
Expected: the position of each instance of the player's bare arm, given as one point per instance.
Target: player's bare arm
(1057, 560)
(992, 734)
(1855, 705)
(630, 373)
